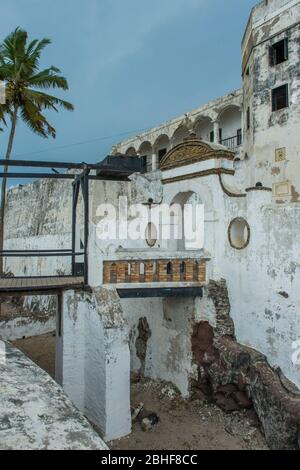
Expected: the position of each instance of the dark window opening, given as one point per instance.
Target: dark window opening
(239, 137)
(247, 72)
(280, 98)
(182, 268)
(248, 118)
(79, 269)
(278, 52)
(169, 269)
(161, 154)
(144, 163)
(212, 136)
(220, 134)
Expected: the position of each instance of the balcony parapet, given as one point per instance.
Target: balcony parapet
(184, 268)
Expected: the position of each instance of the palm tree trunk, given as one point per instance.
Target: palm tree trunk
(3, 186)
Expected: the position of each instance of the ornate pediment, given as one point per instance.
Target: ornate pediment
(193, 150)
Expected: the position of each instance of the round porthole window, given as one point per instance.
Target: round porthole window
(239, 233)
(151, 235)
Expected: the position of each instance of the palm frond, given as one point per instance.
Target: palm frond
(36, 122)
(19, 68)
(13, 47)
(3, 111)
(48, 78)
(35, 54)
(43, 100)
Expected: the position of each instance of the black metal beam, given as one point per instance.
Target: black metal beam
(160, 292)
(59, 313)
(40, 290)
(35, 251)
(109, 177)
(66, 276)
(74, 207)
(117, 177)
(86, 226)
(54, 176)
(42, 164)
(37, 254)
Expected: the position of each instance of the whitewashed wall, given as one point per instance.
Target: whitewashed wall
(264, 319)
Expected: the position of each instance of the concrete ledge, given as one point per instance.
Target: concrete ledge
(35, 413)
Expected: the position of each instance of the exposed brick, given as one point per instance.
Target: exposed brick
(162, 271)
(149, 271)
(121, 271)
(134, 271)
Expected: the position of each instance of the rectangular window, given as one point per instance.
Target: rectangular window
(248, 118)
(280, 98)
(212, 136)
(220, 134)
(239, 137)
(278, 52)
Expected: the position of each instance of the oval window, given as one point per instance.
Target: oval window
(151, 235)
(239, 233)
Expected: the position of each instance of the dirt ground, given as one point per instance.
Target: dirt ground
(183, 425)
(41, 349)
(186, 424)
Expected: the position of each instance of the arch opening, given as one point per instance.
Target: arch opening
(230, 124)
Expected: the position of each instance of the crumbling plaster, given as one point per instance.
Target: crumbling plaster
(269, 130)
(35, 413)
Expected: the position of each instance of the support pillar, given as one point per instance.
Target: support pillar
(216, 132)
(154, 162)
(94, 359)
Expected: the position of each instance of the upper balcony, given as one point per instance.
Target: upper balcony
(233, 143)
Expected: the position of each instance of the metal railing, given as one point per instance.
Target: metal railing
(75, 268)
(232, 142)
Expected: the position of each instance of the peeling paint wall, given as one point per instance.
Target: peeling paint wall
(263, 278)
(270, 22)
(168, 353)
(35, 414)
(37, 217)
(264, 282)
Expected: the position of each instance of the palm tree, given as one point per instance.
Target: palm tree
(25, 98)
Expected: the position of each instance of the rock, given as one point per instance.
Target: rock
(170, 391)
(253, 418)
(136, 411)
(242, 400)
(149, 422)
(226, 404)
(227, 389)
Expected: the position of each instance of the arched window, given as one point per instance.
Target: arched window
(183, 271)
(151, 235)
(170, 269)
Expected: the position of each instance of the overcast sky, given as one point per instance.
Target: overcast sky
(131, 64)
